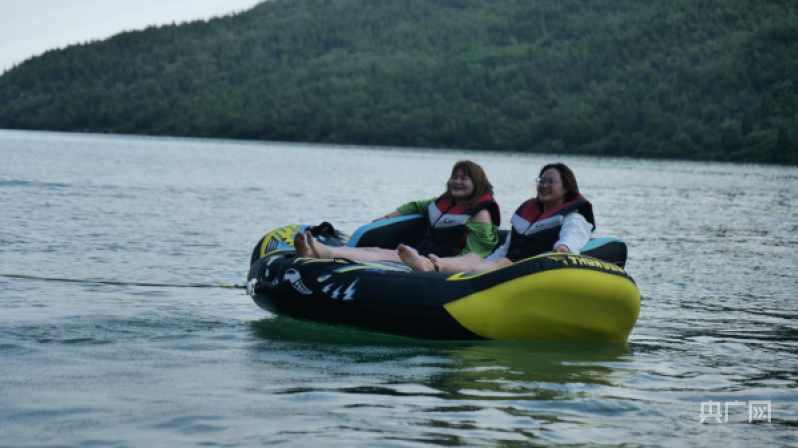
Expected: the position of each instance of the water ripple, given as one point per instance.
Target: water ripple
(712, 249)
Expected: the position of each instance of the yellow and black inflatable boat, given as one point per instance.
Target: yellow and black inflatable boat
(550, 297)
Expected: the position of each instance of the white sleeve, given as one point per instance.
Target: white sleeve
(501, 251)
(575, 232)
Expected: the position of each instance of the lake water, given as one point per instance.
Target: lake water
(713, 248)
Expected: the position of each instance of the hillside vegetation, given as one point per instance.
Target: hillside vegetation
(696, 79)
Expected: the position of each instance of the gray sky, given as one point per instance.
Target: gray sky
(30, 27)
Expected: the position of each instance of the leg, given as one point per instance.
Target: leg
(352, 253)
(303, 248)
(413, 259)
(467, 264)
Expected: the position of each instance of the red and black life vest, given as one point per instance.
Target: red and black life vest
(446, 234)
(534, 231)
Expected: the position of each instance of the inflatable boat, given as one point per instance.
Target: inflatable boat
(550, 297)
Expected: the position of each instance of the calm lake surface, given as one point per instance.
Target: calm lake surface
(713, 249)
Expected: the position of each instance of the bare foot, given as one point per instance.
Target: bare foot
(320, 250)
(303, 249)
(413, 259)
(442, 264)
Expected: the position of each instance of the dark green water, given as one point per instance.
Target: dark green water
(712, 248)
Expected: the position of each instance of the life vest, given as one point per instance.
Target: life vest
(446, 234)
(534, 231)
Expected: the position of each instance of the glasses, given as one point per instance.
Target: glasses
(546, 181)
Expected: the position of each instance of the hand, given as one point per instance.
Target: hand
(562, 249)
(380, 218)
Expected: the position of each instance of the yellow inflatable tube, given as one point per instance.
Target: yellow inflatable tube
(556, 305)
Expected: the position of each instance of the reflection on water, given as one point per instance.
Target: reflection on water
(440, 385)
(511, 368)
(470, 366)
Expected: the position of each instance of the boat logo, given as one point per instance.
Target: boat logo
(292, 276)
(348, 293)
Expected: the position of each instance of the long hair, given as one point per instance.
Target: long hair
(568, 179)
(482, 185)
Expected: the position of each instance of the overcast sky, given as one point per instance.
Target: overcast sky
(30, 27)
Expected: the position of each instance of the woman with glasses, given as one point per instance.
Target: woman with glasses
(463, 221)
(558, 219)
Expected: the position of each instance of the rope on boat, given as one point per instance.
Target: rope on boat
(102, 282)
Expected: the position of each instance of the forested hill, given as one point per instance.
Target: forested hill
(698, 79)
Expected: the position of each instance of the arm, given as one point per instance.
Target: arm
(393, 214)
(574, 234)
(416, 207)
(481, 240)
(411, 208)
